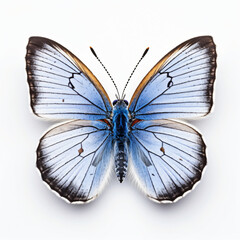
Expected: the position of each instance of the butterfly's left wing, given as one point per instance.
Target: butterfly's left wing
(180, 85)
(168, 158)
(74, 159)
(61, 86)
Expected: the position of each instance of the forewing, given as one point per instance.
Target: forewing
(168, 158)
(180, 85)
(61, 86)
(74, 159)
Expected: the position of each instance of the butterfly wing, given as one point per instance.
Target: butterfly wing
(74, 159)
(180, 85)
(61, 86)
(168, 158)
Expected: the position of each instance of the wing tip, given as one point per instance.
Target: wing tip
(38, 39)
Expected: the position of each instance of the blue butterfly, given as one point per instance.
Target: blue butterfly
(167, 157)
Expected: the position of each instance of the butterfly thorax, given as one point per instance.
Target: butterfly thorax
(120, 136)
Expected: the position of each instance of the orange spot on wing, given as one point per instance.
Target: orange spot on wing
(80, 151)
(163, 150)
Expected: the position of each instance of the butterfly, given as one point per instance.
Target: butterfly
(166, 156)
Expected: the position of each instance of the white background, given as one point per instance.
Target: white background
(119, 32)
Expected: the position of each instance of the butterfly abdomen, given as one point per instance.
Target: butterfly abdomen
(120, 135)
(121, 160)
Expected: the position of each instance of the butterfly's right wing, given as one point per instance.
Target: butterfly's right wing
(74, 159)
(61, 86)
(180, 85)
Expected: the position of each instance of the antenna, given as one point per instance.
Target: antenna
(95, 55)
(145, 52)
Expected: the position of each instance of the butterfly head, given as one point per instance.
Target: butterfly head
(120, 102)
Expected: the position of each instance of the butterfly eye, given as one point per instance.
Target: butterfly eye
(126, 102)
(114, 102)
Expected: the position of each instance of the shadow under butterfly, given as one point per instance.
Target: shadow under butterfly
(167, 157)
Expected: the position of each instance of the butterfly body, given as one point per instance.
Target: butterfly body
(167, 157)
(120, 122)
